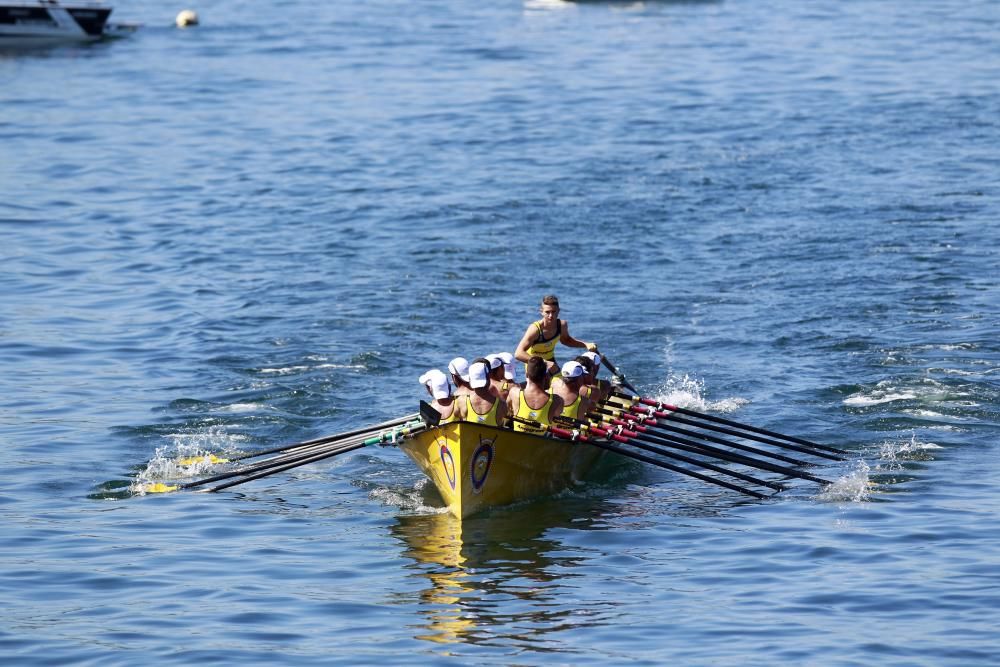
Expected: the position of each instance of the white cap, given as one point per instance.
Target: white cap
(437, 382)
(478, 374)
(572, 369)
(495, 361)
(593, 356)
(459, 366)
(508, 364)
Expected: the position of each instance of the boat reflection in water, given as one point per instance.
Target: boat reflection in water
(473, 564)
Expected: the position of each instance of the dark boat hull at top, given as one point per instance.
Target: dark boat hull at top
(29, 23)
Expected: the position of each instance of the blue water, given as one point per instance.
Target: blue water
(262, 230)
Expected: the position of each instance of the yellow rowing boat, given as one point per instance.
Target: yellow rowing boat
(476, 467)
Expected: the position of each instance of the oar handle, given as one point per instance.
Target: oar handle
(614, 371)
(554, 430)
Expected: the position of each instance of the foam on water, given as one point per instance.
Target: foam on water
(191, 455)
(685, 391)
(245, 407)
(189, 268)
(855, 486)
(410, 499)
(877, 399)
(893, 452)
(924, 389)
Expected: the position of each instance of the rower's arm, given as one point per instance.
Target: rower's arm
(556, 408)
(512, 398)
(502, 414)
(521, 353)
(569, 341)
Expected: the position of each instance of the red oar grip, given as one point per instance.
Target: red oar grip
(658, 404)
(632, 426)
(624, 431)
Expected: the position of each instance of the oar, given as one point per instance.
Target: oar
(429, 418)
(380, 439)
(614, 371)
(305, 452)
(615, 412)
(326, 439)
(278, 462)
(661, 407)
(602, 432)
(320, 444)
(577, 436)
(692, 445)
(708, 450)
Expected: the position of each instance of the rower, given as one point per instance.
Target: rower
(439, 388)
(534, 402)
(459, 369)
(481, 405)
(501, 373)
(569, 386)
(541, 336)
(594, 388)
(509, 376)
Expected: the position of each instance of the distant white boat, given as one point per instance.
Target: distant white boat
(26, 23)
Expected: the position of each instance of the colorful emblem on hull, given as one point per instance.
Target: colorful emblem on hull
(448, 463)
(482, 459)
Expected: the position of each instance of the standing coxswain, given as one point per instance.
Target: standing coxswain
(541, 337)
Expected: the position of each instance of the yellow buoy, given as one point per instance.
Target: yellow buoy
(186, 19)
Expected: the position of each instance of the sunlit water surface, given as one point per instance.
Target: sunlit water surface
(264, 229)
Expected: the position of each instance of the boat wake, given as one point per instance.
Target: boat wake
(418, 499)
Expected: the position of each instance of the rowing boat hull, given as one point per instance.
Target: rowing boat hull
(477, 467)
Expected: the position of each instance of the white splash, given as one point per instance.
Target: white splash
(190, 455)
(687, 392)
(891, 452)
(853, 487)
(410, 499)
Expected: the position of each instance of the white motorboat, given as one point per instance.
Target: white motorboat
(26, 23)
